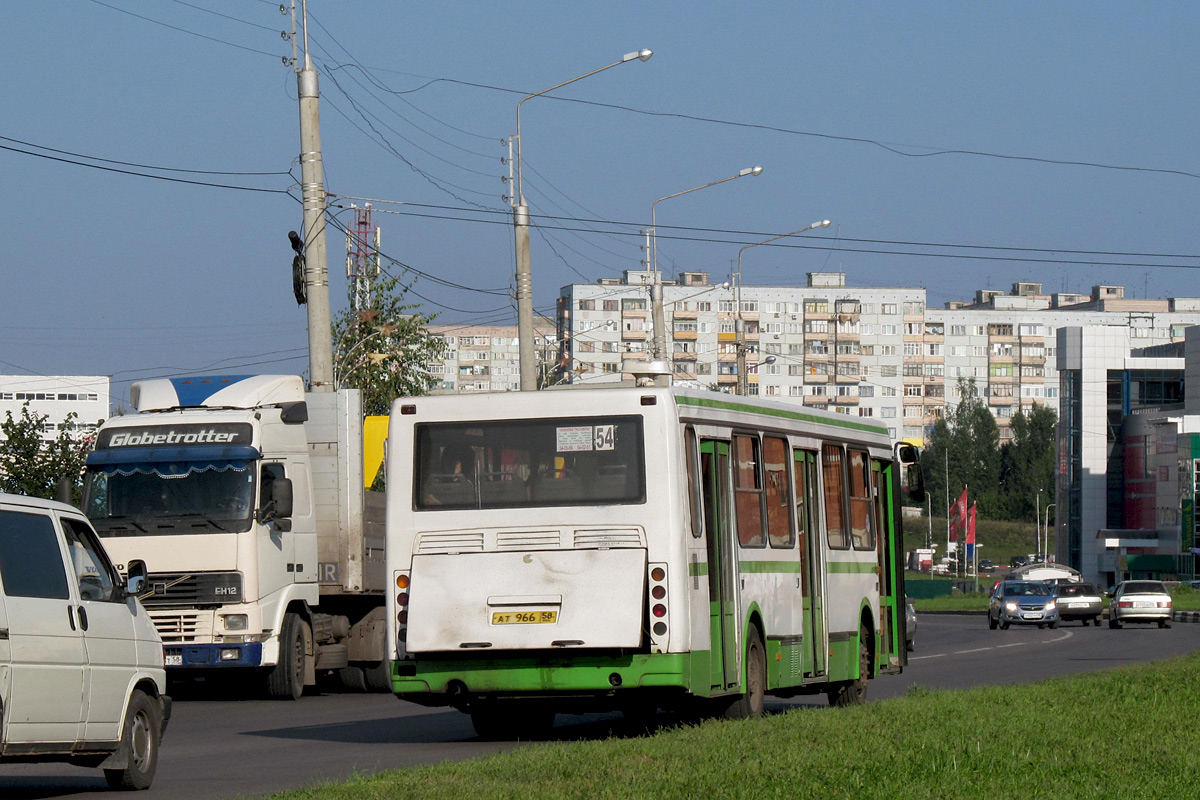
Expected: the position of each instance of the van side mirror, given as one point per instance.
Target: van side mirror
(912, 478)
(136, 582)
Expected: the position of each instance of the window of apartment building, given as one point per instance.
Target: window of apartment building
(848, 327)
(683, 347)
(848, 349)
(887, 370)
(586, 305)
(1000, 370)
(867, 308)
(727, 326)
(911, 370)
(772, 391)
(1004, 412)
(585, 346)
(935, 390)
(703, 368)
(819, 390)
(634, 324)
(889, 330)
(935, 329)
(890, 308)
(913, 308)
(770, 369)
(914, 391)
(866, 390)
(935, 370)
(816, 326)
(795, 391)
(888, 412)
(1001, 350)
(958, 330)
(816, 306)
(863, 411)
(772, 349)
(774, 308)
(848, 307)
(912, 349)
(979, 350)
(867, 329)
(611, 305)
(847, 369)
(934, 350)
(817, 348)
(704, 305)
(795, 369)
(867, 349)
(772, 327)
(1000, 329)
(750, 306)
(684, 326)
(1032, 372)
(1000, 390)
(887, 350)
(867, 370)
(633, 304)
(725, 306)
(934, 411)
(913, 411)
(912, 329)
(887, 391)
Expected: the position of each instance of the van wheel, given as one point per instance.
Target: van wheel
(750, 703)
(286, 680)
(140, 738)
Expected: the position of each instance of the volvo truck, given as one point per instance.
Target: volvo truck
(245, 496)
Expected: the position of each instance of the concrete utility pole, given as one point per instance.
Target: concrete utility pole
(520, 216)
(312, 177)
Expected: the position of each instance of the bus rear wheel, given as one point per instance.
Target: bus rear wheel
(848, 693)
(750, 703)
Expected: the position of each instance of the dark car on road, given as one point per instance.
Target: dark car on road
(1079, 601)
(1022, 603)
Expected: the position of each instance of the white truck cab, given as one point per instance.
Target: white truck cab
(81, 664)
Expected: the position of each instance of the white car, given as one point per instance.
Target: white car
(81, 664)
(1140, 601)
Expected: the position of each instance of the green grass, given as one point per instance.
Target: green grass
(1122, 733)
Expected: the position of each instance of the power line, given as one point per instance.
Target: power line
(185, 30)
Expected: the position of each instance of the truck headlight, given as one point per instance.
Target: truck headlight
(236, 622)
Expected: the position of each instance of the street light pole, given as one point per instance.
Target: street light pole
(1046, 517)
(659, 343)
(742, 381)
(521, 235)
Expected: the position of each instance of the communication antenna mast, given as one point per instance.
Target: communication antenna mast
(362, 256)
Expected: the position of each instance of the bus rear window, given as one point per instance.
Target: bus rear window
(524, 463)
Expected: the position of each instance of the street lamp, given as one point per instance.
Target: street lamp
(1046, 544)
(742, 382)
(659, 344)
(521, 235)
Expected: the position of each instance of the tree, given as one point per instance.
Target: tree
(1028, 462)
(963, 450)
(381, 345)
(29, 465)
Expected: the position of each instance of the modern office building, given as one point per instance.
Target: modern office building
(865, 351)
(57, 397)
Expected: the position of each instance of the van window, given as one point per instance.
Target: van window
(92, 569)
(31, 563)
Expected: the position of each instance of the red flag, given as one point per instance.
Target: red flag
(971, 524)
(954, 527)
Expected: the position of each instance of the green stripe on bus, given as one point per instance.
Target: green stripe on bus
(852, 567)
(800, 416)
(760, 567)
(698, 569)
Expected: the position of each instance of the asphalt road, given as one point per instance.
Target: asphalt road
(219, 749)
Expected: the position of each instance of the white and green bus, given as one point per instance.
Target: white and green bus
(639, 549)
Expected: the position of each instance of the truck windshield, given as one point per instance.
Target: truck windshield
(542, 462)
(162, 499)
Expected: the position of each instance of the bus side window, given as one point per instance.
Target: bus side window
(833, 476)
(690, 455)
(862, 524)
(779, 500)
(748, 491)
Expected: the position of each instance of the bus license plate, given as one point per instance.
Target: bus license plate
(524, 617)
(173, 661)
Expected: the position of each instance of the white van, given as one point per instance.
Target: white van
(81, 665)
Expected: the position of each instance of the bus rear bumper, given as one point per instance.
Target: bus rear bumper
(594, 681)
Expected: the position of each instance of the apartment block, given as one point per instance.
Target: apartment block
(486, 358)
(864, 351)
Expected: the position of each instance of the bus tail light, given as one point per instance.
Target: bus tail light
(401, 621)
(657, 608)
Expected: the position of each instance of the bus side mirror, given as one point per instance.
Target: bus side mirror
(912, 479)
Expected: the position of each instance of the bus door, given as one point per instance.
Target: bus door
(811, 566)
(722, 591)
(891, 578)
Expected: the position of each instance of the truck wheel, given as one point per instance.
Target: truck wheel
(286, 680)
(378, 676)
(140, 738)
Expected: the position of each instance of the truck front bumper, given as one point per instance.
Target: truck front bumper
(194, 656)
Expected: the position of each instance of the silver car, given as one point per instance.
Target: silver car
(1022, 603)
(910, 625)
(1079, 601)
(1140, 601)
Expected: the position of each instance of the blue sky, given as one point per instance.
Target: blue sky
(928, 132)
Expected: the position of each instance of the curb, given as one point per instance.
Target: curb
(1186, 616)
(1176, 616)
